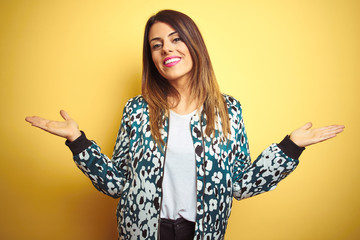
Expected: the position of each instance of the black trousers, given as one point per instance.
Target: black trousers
(179, 229)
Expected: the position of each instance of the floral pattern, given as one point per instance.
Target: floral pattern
(224, 170)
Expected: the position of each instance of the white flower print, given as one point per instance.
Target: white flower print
(84, 155)
(217, 177)
(212, 204)
(208, 188)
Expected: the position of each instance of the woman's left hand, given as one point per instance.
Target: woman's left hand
(304, 136)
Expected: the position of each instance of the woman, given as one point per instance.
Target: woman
(181, 154)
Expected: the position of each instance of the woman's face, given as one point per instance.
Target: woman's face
(169, 53)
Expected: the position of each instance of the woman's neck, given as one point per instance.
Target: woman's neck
(186, 103)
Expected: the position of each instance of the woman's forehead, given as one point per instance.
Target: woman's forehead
(160, 30)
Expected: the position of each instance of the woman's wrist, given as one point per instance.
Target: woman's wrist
(79, 144)
(74, 136)
(290, 148)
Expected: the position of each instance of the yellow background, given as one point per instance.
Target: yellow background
(288, 62)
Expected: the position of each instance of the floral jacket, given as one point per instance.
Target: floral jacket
(224, 170)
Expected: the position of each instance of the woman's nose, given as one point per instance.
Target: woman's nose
(168, 47)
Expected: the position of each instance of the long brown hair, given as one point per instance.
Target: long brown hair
(203, 84)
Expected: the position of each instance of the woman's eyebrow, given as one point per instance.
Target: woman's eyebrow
(157, 38)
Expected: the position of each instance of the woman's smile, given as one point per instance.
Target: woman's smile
(171, 61)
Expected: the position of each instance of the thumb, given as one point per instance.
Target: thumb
(64, 115)
(307, 126)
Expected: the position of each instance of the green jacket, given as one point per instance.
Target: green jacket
(224, 170)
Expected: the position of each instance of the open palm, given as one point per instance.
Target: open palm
(305, 136)
(68, 128)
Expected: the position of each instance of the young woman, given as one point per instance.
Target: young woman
(181, 153)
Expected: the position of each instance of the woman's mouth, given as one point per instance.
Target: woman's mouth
(171, 61)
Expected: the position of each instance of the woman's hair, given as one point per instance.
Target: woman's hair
(203, 84)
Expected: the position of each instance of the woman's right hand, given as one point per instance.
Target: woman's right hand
(68, 129)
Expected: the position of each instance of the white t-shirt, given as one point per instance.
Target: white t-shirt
(179, 182)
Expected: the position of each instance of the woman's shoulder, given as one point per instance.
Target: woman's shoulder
(135, 103)
(234, 107)
(231, 101)
(136, 99)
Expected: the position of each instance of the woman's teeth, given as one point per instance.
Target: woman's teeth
(171, 60)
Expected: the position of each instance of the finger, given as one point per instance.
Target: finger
(334, 130)
(307, 126)
(326, 137)
(33, 119)
(38, 122)
(331, 128)
(329, 134)
(340, 126)
(65, 115)
(28, 119)
(339, 130)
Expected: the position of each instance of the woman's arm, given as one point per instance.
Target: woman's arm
(274, 163)
(108, 176)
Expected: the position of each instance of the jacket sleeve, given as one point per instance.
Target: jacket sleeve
(107, 175)
(271, 166)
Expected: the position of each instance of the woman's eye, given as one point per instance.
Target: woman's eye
(177, 39)
(156, 46)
